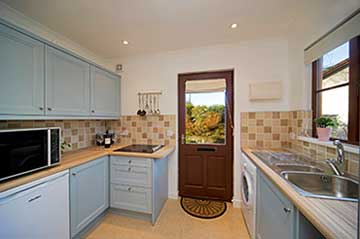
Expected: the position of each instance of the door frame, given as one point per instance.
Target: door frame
(206, 75)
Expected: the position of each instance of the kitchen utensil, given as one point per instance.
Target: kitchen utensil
(151, 105)
(154, 103)
(143, 112)
(158, 110)
(147, 103)
(139, 111)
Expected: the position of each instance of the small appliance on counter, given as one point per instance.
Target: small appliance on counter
(27, 150)
(105, 139)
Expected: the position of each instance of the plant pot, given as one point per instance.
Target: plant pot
(323, 134)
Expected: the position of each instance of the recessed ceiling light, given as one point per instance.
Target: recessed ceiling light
(125, 42)
(233, 26)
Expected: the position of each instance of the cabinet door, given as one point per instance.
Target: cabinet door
(22, 73)
(131, 175)
(105, 91)
(67, 84)
(89, 193)
(275, 214)
(131, 198)
(38, 210)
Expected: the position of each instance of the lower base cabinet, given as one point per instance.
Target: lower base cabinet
(89, 193)
(277, 217)
(137, 199)
(138, 185)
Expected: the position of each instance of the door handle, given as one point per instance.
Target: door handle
(182, 139)
(34, 198)
(287, 210)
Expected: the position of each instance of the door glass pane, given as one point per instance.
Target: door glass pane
(335, 103)
(205, 111)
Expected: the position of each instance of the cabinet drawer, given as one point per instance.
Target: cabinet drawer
(130, 198)
(130, 161)
(130, 175)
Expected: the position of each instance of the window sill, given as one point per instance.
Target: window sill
(348, 147)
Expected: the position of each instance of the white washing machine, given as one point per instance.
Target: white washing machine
(248, 193)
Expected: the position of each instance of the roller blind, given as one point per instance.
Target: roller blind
(205, 86)
(345, 31)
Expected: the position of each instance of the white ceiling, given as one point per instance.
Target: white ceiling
(162, 25)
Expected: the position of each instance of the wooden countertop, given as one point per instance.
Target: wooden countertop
(333, 218)
(78, 157)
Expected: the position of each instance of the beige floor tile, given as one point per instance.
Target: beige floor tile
(173, 223)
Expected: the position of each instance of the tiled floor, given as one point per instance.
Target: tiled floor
(173, 223)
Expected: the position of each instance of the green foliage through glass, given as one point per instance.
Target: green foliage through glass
(205, 124)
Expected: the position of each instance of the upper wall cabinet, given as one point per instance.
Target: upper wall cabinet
(105, 91)
(40, 81)
(67, 84)
(21, 74)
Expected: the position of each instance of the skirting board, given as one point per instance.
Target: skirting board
(236, 203)
(174, 195)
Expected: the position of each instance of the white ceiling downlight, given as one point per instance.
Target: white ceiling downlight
(234, 25)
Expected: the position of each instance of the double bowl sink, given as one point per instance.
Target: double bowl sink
(313, 180)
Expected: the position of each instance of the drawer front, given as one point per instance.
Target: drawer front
(131, 161)
(130, 198)
(131, 175)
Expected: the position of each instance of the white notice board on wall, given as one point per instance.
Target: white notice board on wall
(269, 90)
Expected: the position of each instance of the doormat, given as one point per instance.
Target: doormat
(206, 209)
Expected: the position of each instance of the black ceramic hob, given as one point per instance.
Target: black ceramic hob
(140, 148)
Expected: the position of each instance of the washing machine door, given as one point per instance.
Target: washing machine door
(247, 193)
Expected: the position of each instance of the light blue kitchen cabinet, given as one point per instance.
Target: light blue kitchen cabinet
(275, 214)
(105, 91)
(21, 73)
(89, 193)
(138, 186)
(67, 84)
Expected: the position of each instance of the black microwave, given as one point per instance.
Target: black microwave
(27, 150)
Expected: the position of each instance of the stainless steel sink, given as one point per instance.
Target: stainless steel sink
(298, 167)
(323, 186)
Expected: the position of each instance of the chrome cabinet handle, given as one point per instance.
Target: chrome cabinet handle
(41, 108)
(129, 189)
(287, 210)
(129, 161)
(34, 198)
(73, 174)
(129, 169)
(49, 109)
(93, 111)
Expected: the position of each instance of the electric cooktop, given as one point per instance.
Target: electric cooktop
(140, 148)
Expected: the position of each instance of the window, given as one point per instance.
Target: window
(205, 111)
(335, 89)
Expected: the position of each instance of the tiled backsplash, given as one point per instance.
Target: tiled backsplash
(265, 129)
(81, 133)
(78, 133)
(153, 129)
(281, 129)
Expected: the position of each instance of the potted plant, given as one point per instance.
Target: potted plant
(65, 145)
(324, 126)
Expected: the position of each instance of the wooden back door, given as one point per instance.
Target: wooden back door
(206, 135)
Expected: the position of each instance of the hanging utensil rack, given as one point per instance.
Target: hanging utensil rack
(149, 103)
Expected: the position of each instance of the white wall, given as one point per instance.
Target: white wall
(265, 60)
(18, 19)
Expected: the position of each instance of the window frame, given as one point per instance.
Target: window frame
(354, 85)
